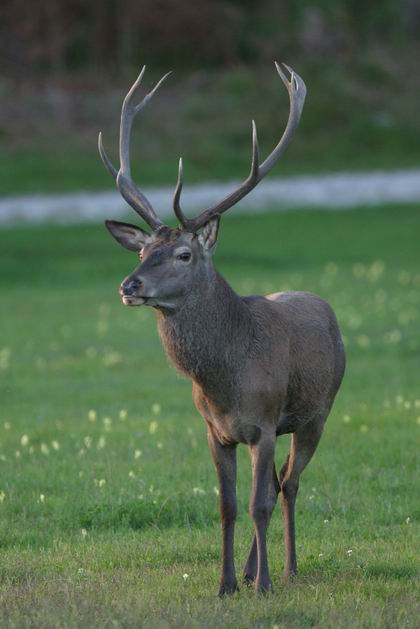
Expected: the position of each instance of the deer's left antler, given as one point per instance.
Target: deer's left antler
(297, 92)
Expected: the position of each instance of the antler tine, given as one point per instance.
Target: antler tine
(297, 94)
(128, 113)
(253, 175)
(125, 184)
(189, 224)
(105, 159)
(185, 222)
(297, 91)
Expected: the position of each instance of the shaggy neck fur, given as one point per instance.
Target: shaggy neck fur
(208, 338)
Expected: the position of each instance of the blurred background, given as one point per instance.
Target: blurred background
(65, 66)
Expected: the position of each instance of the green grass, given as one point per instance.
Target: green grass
(359, 114)
(107, 492)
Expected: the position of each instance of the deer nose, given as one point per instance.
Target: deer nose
(129, 287)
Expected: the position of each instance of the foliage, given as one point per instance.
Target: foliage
(54, 37)
(108, 510)
(360, 115)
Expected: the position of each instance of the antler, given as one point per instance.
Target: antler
(297, 92)
(125, 184)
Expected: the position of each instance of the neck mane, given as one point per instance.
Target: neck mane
(208, 338)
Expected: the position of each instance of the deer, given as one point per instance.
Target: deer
(260, 366)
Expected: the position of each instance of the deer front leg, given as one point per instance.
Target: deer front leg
(250, 570)
(262, 458)
(224, 458)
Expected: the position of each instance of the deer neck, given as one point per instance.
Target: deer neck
(208, 338)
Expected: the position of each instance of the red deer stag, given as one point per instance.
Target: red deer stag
(260, 366)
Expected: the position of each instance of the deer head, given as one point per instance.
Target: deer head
(174, 260)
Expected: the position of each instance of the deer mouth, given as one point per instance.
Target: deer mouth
(132, 300)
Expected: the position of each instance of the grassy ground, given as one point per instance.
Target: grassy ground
(108, 509)
(359, 114)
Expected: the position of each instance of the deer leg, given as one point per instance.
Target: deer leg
(224, 458)
(303, 446)
(250, 570)
(262, 457)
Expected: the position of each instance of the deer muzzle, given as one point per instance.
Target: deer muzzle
(129, 291)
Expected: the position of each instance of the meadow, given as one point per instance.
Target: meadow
(108, 498)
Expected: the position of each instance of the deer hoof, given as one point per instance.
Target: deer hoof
(228, 588)
(290, 573)
(263, 586)
(249, 579)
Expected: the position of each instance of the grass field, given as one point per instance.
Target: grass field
(108, 508)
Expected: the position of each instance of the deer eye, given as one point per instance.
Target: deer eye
(184, 256)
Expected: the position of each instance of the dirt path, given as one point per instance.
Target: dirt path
(337, 191)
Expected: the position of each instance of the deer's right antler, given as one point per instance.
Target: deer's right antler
(125, 184)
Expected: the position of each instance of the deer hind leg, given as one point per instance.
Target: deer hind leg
(303, 445)
(250, 570)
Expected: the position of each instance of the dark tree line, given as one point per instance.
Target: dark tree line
(54, 36)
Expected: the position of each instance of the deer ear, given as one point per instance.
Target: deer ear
(208, 236)
(129, 236)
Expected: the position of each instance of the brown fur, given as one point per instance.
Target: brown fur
(260, 367)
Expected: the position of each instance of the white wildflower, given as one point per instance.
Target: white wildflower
(111, 358)
(5, 355)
